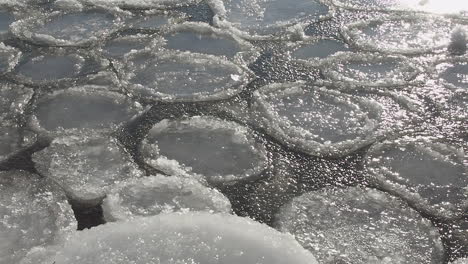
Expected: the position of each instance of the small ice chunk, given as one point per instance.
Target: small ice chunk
(83, 108)
(369, 69)
(401, 34)
(262, 18)
(73, 28)
(33, 212)
(316, 120)
(181, 76)
(221, 151)
(429, 174)
(360, 226)
(318, 49)
(86, 165)
(9, 57)
(161, 194)
(182, 238)
(458, 41)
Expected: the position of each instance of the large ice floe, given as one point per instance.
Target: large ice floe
(83, 108)
(80, 28)
(270, 18)
(371, 70)
(172, 76)
(153, 195)
(56, 67)
(226, 151)
(317, 120)
(402, 34)
(205, 39)
(85, 166)
(34, 212)
(359, 225)
(13, 101)
(180, 238)
(430, 174)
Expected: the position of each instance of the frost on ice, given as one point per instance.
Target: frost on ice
(79, 28)
(91, 108)
(9, 57)
(161, 194)
(266, 18)
(182, 238)
(317, 120)
(360, 226)
(221, 151)
(34, 212)
(401, 34)
(432, 175)
(85, 165)
(181, 76)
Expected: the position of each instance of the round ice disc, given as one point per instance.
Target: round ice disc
(357, 225)
(118, 47)
(220, 151)
(433, 172)
(86, 165)
(79, 28)
(316, 120)
(173, 76)
(369, 69)
(403, 34)
(264, 18)
(182, 238)
(82, 108)
(33, 211)
(161, 194)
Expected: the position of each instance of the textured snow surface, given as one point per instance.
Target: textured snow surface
(199, 238)
(33, 212)
(357, 225)
(161, 194)
(226, 151)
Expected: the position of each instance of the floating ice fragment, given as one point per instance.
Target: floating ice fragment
(317, 120)
(9, 57)
(34, 212)
(458, 41)
(265, 18)
(173, 76)
(430, 175)
(86, 165)
(369, 69)
(221, 151)
(72, 28)
(182, 238)
(161, 194)
(141, 4)
(460, 261)
(82, 108)
(401, 34)
(360, 226)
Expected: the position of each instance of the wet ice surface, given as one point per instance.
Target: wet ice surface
(238, 155)
(33, 213)
(85, 165)
(357, 225)
(6, 18)
(268, 17)
(170, 76)
(318, 49)
(183, 238)
(454, 73)
(161, 194)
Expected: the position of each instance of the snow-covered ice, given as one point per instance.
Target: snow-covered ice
(9, 57)
(153, 195)
(79, 28)
(220, 151)
(86, 165)
(33, 212)
(82, 108)
(265, 18)
(317, 120)
(403, 33)
(181, 76)
(358, 225)
(181, 238)
(369, 69)
(429, 173)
